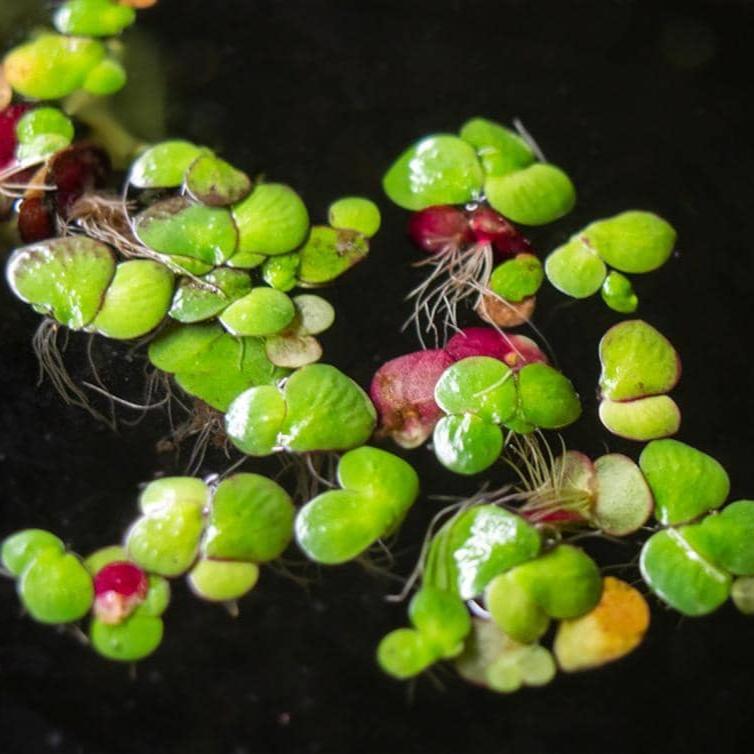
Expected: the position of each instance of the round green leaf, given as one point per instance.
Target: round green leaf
(478, 385)
(624, 501)
(536, 195)
(547, 398)
(216, 182)
(254, 419)
(164, 165)
(63, 277)
(262, 311)
(679, 576)
(726, 539)
(132, 640)
(44, 121)
(221, 580)
(166, 541)
(441, 169)
(164, 492)
(326, 410)
(55, 587)
(404, 653)
(633, 241)
(105, 78)
(339, 525)
(136, 301)
(93, 18)
(179, 226)
(637, 361)
(742, 594)
(642, 419)
(575, 269)
(251, 519)
(281, 271)
(441, 618)
(684, 481)
(19, 549)
(618, 293)
(355, 213)
(475, 546)
(271, 220)
(500, 150)
(315, 314)
(467, 444)
(52, 66)
(292, 351)
(517, 278)
(328, 253)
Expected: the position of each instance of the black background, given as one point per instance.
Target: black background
(646, 105)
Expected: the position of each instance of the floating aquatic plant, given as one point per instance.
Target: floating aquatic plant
(465, 192)
(639, 366)
(632, 242)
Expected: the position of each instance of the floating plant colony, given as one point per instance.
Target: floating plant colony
(208, 270)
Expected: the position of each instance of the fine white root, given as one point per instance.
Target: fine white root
(456, 276)
(49, 353)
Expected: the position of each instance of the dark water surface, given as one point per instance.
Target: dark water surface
(645, 104)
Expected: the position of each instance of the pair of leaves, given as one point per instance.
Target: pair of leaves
(480, 393)
(76, 281)
(633, 242)
(247, 519)
(639, 366)
(317, 408)
(376, 491)
(486, 159)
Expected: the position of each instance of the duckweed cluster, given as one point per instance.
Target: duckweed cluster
(201, 261)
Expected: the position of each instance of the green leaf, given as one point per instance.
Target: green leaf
(642, 419)
(63, 277)
(563, 583)
(478, 385)
(637, 361)
(633, 241)
(441, 169)
(618, 293)
(685, 482)
(624, 501)
(442, 619)
(547, 398)
(216, 182)
(164, 165)
(271, 220)
(467, 444)
(726, 539)
(517, 278)
(576, 269)
(328, 253)
(476, 545)
(355, 213)
(134, 639)
(52, 66)
(326, 411)
(536, 195)
(263, 311)
(251, 519)
(222, 580)
(19, 549)
(54, 587)
(93, 18)
(499, 149)
(404, 653)
(166, 540)
(177, 226)
(254, 419)
(679, 576)
(136, 301)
